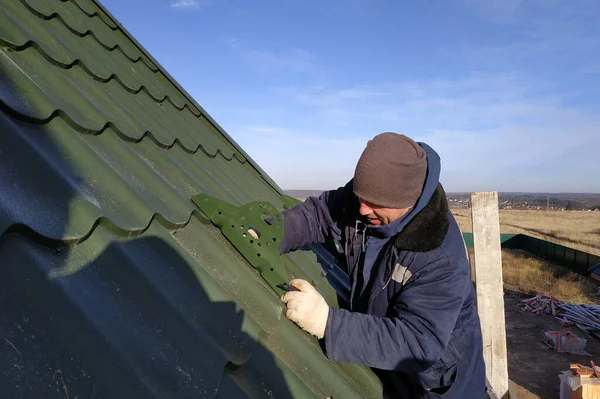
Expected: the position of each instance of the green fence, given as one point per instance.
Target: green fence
(503, 238)
(577, 260)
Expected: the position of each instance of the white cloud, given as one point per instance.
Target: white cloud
(517, 122)
(323, 97)
(299, 159)
(338, 107)
(288, 59)
(499, 10)
(296, 60)
(229, 40)
(185, 4)
(386, 105)
(493, 132)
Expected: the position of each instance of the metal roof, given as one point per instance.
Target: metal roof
(112, 283)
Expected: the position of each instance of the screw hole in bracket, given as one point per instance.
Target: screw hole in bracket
(254, 232)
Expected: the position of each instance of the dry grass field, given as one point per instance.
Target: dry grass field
(528, 274)
(532, 276)
(575, 229)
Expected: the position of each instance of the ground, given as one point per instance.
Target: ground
(533, 367)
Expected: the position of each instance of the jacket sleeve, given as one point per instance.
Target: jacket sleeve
(311, 222)
(418, 330)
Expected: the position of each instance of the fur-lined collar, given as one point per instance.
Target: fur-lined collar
(427, 230)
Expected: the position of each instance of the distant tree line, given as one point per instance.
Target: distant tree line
(533, 201)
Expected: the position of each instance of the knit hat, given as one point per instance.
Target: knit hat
(391, 171)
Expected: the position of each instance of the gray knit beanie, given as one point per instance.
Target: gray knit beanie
(391, 171)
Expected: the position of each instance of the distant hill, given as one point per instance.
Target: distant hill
(507, 200)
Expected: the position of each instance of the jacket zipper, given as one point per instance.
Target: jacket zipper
(356, 257)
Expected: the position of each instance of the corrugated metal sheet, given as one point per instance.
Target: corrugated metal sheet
(578, 261)
(112, 283)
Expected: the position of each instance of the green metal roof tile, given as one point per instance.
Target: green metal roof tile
(205, 244)
(362, 379)
(90, 9)
(302, 356)
(93, 105)
(164, 343)
(145, 179)
(191, 174)
(180, 282)
(56, 43)
(33, 194)
(229, 389)
(196, 108)
(99, 159)
(256, 379)
(183, 297)
(81, 190)
(128, 77)
(80, 23)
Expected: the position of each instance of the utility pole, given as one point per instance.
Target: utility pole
(548, 204)
(490, 290)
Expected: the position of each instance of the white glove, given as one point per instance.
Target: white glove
(307, 308)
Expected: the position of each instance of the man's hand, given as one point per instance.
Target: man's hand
(307, 308)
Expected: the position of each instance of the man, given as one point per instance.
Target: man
(412, 315)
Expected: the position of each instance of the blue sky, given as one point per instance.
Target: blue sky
(507, 92)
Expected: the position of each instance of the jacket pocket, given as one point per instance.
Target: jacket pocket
(447, 384)
(439, 378)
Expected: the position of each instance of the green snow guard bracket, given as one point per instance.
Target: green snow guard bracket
(247, 230)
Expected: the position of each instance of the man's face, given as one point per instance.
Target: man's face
(380, 216)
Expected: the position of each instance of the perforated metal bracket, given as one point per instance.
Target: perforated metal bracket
(255, 230)
(289, 202)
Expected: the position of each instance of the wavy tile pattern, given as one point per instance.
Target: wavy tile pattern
(112, 283)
